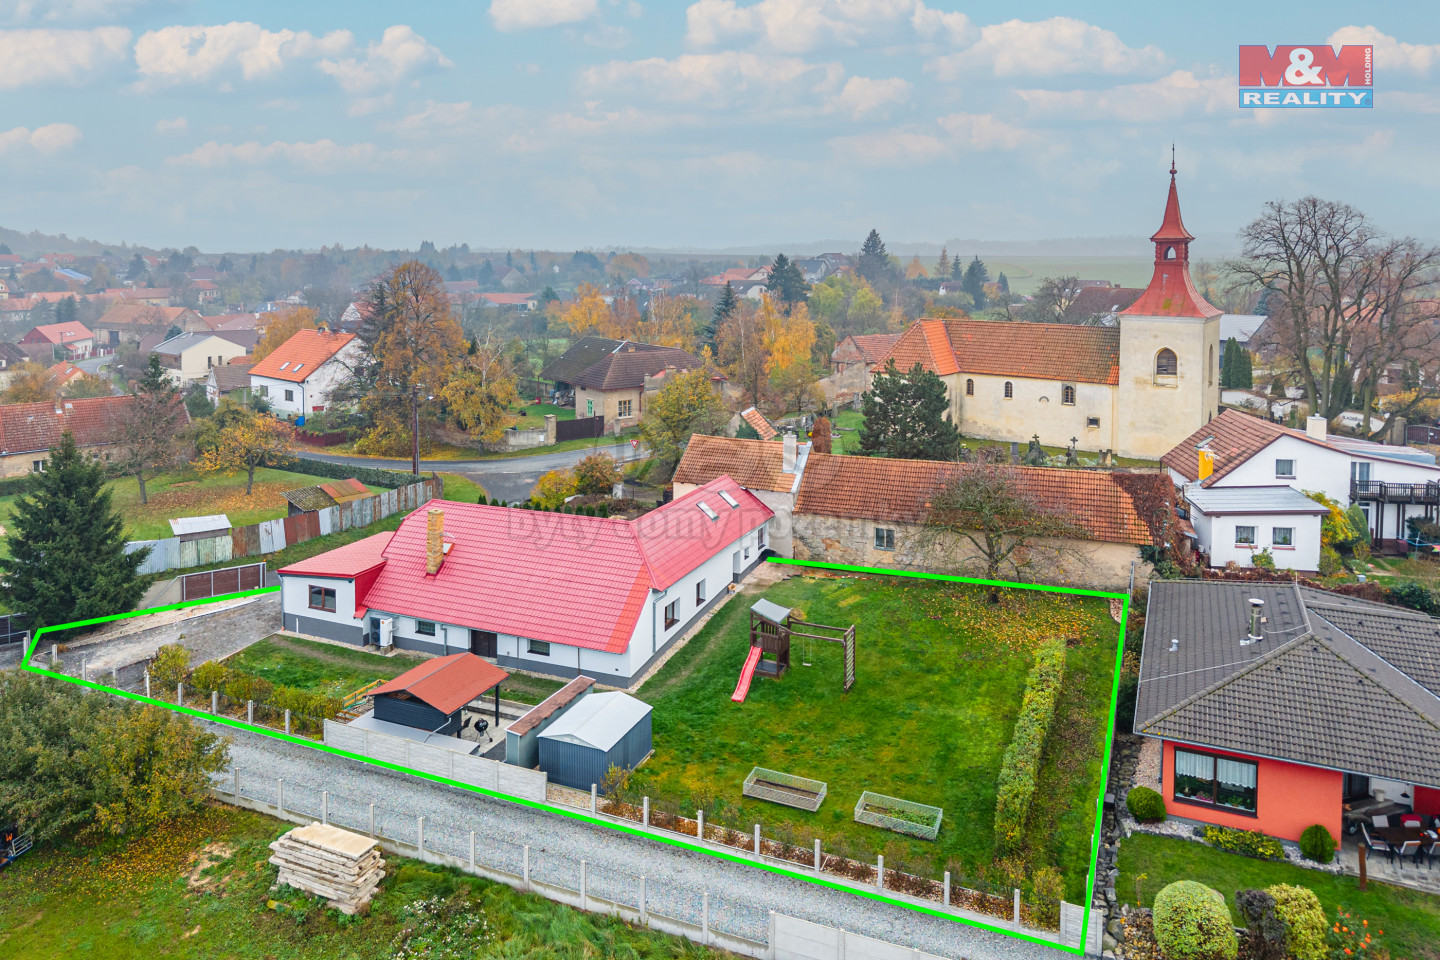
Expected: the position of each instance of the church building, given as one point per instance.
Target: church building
(1135, 388)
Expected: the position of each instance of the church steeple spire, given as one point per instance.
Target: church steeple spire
(1171, 292)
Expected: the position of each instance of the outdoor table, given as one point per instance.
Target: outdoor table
(1397, 836)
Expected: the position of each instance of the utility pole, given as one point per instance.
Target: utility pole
(415, 429)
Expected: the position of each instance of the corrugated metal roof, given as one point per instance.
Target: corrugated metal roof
(1218, 500)
(600, 720)
(212, 522)
(547, 708)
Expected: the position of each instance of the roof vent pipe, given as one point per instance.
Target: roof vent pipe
(1255, 607)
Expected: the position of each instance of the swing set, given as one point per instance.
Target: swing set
(771, 629)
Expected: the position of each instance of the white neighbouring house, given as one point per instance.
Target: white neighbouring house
(551, 593)
(190, 357)
(299, 375)
(1232, 471)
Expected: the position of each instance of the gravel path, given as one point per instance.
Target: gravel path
(210, 634)
(740, 896)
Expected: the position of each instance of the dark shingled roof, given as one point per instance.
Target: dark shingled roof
(306, 499)
(582, 355)
(1334, 682)
(626, 369)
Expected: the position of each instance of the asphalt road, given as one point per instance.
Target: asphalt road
(510, 478)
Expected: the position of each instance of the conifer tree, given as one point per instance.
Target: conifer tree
(957, 269)
(874, 262)
(67, 557)
(907, 417)
(976, 276)
(942, 267)
(786, 283)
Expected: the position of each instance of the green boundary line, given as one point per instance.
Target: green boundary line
(638, 831)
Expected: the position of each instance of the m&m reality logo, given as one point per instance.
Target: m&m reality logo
(1314, 75)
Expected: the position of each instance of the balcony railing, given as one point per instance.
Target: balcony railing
(1378, 490)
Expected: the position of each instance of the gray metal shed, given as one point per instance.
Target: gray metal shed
(600, 731)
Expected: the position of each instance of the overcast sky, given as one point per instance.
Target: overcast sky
(603, 123)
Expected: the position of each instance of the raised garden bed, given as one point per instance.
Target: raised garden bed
(785, 788)
(901, 816)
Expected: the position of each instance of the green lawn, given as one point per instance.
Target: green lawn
(846, 433)
(1402, 567)
(319, 667)
(1410, 919)
(538, 411)
(939, 677)
(460, 489)
(135, 899)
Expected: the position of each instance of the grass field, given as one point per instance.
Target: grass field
(1025, 273)
(147, 897)
(538, 411)
(1404, 568)
(1410, 919)
(939, 677)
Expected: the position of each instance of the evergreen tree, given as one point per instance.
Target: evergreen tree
(1003, 282)
(65, 310)
(976, 276)
(746, 432)
(874, 263)
(1235, 370)
(224, 266)
(548, 295)
(907, 417)
(725, 306)
(137, 268)
(787, 284)
(957, 269)
(67, 546)
(5, 250)
(942, 267)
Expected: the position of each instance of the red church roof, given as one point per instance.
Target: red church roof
(1171, 292)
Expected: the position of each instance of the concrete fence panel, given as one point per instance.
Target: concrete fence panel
(519, 782)
(341, 737)
(435, 760)
(795, 939)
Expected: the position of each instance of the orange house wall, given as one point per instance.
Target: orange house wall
(1289, 798)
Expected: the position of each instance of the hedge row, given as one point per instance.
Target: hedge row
(240, 686)
(1021, 765)
(1248, 843)
(11, 486)
(370, 476)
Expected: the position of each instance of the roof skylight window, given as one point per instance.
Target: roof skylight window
(725, 495)
(706, 509)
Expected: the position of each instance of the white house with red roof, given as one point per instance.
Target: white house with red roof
(299, 375)
(72, 339)
(552, 593)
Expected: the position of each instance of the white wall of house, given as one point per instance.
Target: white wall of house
(1217, 536)
(1036, 406)
(295, 600)
(313, 393)
(197, 360)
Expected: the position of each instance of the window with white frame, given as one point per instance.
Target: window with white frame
(1282, 536)
(1285, 469)
(1245, 536)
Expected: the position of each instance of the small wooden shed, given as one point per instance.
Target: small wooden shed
(430, 697)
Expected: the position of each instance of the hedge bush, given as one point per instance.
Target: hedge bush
(1317, 844)
(1244, 842)
(1021, 764)
(1192, 923)
(370, 476)
(171, 664)
(1305, 923)
(1145, 805)
(209, 676)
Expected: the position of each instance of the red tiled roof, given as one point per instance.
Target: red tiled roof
(348, 561)
(64, 372)
(31, 427)
(142, 314)
(447, 683)
(1233, 437)
(534, 574)
(873, 346)
(753, 464)
(508, 299)
(874, 488)
(1171, 292)
(68, 332)
(343, 490)
(757, 420)
(301, 355)
(1041, 351)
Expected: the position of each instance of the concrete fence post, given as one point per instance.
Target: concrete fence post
(54, 653)
(594, 793)
(646, 812)
(115, 676)
(880, 871)
(946, 889)
(1016, 909)
(700, 825)
(705, 918)
(147, 683)
(644, 920)
(584, 901)
(817, 854)
(472, 851)
(770, 939)
(235, 782)
(757, 839)
(372, 820)
(249, 711)
(84, 667)
(420, 838)
(840, 945)
(279, 796)
(526, 866)
(287, 720)
(180, 694)
(325, 807)
(214, 702)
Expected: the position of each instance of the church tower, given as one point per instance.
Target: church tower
(1169, 349)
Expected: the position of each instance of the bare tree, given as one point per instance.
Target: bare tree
(1347, 303)
(1052, 300)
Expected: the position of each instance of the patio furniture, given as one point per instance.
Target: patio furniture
(1410, 849)
(1376, 845)
(1412, 820)
(1380, 822)
(1430, 847)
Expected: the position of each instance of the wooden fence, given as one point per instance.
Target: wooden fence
(268, 536)
(215, 583)
(581, 428)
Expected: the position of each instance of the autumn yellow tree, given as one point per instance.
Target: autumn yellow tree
(481, 393)
(587, 313)
(89, 385)
(687, 405)
(916, 269)
(670, 323)
(282, 327)
(552, 489)
(789, 338)
(254, 440)
(30, 383)
(624, 266)
(741, 342)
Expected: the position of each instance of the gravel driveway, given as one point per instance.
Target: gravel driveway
(740, 896)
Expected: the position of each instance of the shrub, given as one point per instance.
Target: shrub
(1263, 560)
(596, 473)
(1193, 923)
(1317, 844)
(1145, 805)
(1304, 920)
(552, 488)
(1021, 764)
(245, 686)
(1049, 889)
(1244, 842)
(1348, 937)
(1415, 595)
(209, 676)
(1330, 562)
(171, 663)
(1265, 929)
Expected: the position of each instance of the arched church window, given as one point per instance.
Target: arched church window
(1009, 390)
(1067, 395)
(1166, 365)
(969, 388)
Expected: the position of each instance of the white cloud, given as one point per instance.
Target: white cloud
(529, 14)
(318, 155)
(74, 11)
(956, 133)
(1390, 53)
(400, 53)
(34, 57)
(49, 139)
(727, 79)
(862, 97)
(797, 26)
(1060, 45)
(193, 54)
(952, 26)
(178, 125)
(1169, 98)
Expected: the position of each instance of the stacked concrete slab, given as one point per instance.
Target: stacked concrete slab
(326, 861)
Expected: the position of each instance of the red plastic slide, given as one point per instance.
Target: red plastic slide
(747, 672)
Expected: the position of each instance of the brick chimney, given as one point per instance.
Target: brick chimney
(434, 540)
